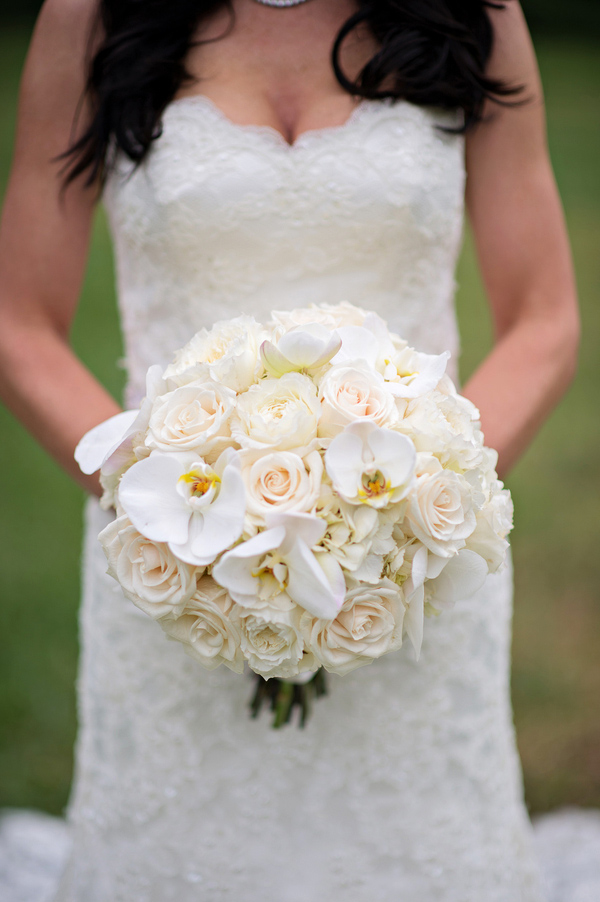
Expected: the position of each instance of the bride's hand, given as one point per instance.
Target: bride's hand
(43, 247)
(524, 255)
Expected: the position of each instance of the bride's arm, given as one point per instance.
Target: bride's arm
(43, 247)
(524, 255)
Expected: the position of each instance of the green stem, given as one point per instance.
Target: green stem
(283, 697)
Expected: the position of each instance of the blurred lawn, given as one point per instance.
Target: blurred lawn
(556, 679)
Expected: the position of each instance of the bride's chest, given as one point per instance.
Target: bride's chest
(388, 169)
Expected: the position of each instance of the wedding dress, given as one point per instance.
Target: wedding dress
(405, 785)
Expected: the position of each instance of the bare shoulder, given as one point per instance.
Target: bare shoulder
(55, 74)
(513, 57)
(514, 134)
(71, 18)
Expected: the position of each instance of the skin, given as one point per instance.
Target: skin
(273, 69)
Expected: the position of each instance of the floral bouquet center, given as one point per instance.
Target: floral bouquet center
(298, 496)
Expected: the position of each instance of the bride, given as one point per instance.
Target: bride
(245, 167)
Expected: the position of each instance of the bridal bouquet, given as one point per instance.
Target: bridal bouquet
(298, 496)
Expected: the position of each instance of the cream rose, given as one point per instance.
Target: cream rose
(353, 392)
(440, 510)
(278, 414)
(229, 352)
(271, 639)
(150, 575)
(280, 481)
(446, 425)
(486, 542)
(369, 625)
(330, 315)
(350, 530)
(208, 628)
(192, 418)
(494, 522)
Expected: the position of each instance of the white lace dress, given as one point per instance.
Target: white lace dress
(405, 785)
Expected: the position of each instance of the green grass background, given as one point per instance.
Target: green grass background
(556, 675)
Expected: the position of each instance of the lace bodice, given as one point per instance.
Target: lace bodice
(405, 785)
(224, 218)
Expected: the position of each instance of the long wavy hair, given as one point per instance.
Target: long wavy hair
(430, 52)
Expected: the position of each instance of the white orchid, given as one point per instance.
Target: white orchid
(438, 583)
(368, 464)
(118, 442)
(104, 441)
(281, 560)
(371, 341)
(357, 343)
(302, 349)
(197, 509)
(457, 579)
(109, 446)
(410, 374)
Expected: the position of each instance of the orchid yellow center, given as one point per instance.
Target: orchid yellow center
(272, 576)
(200, 483)
(373, 485)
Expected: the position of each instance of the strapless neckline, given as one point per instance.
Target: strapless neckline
(270, 133)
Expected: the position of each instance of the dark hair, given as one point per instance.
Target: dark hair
(431, 52)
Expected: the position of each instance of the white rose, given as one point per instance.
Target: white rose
(485, 541)
(440, 509)
(229, 351)
(280, 481)
(193, 418)
(369, 625)
(149, 574)
(271, 639)
(371, 571)
(209, 628)
(399, 561)
(359, 538)
(330, 315)
(443, 425)
(503, 511)
(278, 414)
(350, 392)
(494, 522)
(350, 530)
